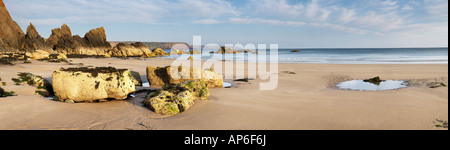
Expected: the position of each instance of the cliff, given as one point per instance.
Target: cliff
(11, 35)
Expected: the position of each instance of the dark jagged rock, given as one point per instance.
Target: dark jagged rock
(33, 41)
(11, 35)
(57, 34)
(376, 80)
(94, 42)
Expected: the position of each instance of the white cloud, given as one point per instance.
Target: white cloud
(438, 8)
(265, 21)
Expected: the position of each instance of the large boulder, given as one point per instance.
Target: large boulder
(11, 35)
(159, 52)
(173, 99)
(130, 50)
(91, 84)
(158, 76)
(40, 54)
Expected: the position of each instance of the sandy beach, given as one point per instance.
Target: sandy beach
(305, 100)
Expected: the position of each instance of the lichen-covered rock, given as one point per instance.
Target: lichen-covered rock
(44, 86)
(91, 84)
(173, 99)
(197, 88)
(162, 102)
(158, 76)
(159, 52)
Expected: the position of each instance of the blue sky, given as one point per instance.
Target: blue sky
(289, 23)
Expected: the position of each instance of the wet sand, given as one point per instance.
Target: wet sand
(305, 100)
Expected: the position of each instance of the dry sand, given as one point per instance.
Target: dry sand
(302, 101)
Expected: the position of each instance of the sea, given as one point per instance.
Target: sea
(338, 56)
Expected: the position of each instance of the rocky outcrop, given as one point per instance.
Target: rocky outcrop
(158, 77)
(92, 84)
(11, 35)
(93, 43)
(131, 50)
(173, 99)
(159, 52)
(33, 41)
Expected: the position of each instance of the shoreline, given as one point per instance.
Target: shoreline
(302, 101)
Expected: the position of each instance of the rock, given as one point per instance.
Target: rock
(376, 80)
(11, 35)
(58, 56)
(33, 41)
(40, 54)
(191, 58)
(3, 93)
(226, 50)
(197, 88)
(44, 86)
(137, 80)
(159, 52)
(173, 99)
(134, 50)
(158, 77)
(175, 52)
(195, 52)
(296, 51)
(162, 103)
(93, 43)
(92, 84)
(434, 85)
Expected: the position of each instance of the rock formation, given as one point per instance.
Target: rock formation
(93, 43)
(11, 35)
(92, 84)
(131, 50)
(33, 41)
(158, 77)
(159, 52)
(173, 99)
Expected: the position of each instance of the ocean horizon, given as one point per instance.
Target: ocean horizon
(340, 56)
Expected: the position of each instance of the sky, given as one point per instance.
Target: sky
(288, 23)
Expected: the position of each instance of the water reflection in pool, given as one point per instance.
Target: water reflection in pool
(360, 85)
